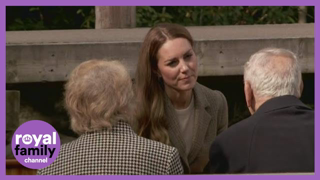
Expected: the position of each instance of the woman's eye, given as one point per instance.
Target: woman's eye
(172, 63)
(188, 56)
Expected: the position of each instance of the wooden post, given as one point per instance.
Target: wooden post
(108, 17)
(12, 110)
(302, 14)
(13, 167)
(12, 117)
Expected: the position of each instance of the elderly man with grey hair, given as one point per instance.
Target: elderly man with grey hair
(279, 136)
(99, 99)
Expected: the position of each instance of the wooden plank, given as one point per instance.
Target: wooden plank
(92, 36)
(222, 58)
(220, 52)
(216, 58)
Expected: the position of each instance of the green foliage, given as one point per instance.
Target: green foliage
(147, 16)
(89, 18)
(49, 17)
(219, 15)
(83, 17)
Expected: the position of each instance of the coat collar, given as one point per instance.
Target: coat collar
(202, 119)
(280, 102)
(120, 127)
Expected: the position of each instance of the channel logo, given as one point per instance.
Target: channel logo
(35, 144)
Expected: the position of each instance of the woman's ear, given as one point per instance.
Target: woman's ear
(157, 72)
(248, 92)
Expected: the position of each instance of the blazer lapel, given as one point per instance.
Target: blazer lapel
(174, 131)
(201, 122)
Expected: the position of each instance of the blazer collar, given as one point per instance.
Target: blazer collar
(202, 119)
(174, 131)
(280, 102)
(120, 127)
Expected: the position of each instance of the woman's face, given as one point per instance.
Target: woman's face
(177, 65)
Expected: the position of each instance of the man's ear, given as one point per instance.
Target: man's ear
(301, 88)
(249, 96)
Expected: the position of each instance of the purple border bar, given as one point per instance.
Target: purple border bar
(148, 3)
(316, 81)
(2, 92)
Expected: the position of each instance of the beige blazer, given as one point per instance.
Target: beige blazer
(211, 118)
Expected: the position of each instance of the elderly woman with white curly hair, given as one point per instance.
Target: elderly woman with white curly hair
(99, 100)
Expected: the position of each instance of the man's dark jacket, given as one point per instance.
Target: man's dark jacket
(278, 137)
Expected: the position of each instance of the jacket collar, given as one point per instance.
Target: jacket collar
(280, 102)
(120, 127)
(201, 123)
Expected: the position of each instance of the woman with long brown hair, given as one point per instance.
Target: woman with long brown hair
(172, 107)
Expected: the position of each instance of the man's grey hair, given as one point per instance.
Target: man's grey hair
(273, 72)
(98, 95)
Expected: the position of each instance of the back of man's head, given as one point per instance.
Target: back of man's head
(273, 72)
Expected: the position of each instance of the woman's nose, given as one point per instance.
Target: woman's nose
(184, 67)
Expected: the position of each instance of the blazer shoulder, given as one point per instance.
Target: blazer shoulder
(210, 94)
(162, 153)
(242, 129)
(156, 145)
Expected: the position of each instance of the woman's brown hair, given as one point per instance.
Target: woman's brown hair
(149, 88)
